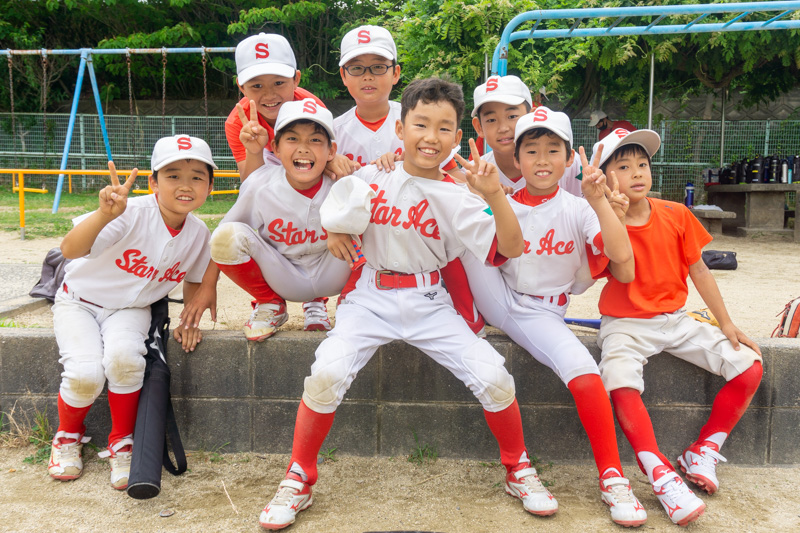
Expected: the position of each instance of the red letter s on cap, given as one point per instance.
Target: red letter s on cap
(491, 84)
(184, 143)
(262, 51)
(363, 37)
(310, 107)
(539, 114)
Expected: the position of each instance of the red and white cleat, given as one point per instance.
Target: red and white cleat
(626, 510)
(265, 320)
(678, 500)
(523, 483)
(315, 315)
(292, 497)
(699, 463)
(65, 456)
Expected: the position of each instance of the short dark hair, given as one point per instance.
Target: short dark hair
(302, 122)
(535, 133)
(431, 91)
(208, 167)
(527, 110)
(628, 150)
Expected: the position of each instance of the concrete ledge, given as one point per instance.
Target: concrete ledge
(24, 304)
(711, 219)
(246, 395)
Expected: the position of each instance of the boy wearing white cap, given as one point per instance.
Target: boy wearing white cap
(527, 297)
(267, 75)
(271, 242)
(499, 103)
(646, 317)
(127, 255)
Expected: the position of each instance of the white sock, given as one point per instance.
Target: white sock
(718, 438)
(611, 472)
(649, 461)
(297, 470)
(524, 458)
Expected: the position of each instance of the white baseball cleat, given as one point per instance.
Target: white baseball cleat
(524, 483)
(626, 510)
(265, 320)
(678, 500)
(119, 455)
(65, 456)
(292, 497)
(699, 463)
(316, 315)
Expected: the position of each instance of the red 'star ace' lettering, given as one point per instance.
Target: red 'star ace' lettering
(262, 50)
(546, 245)
(387, 215)
(291, 235)
(491, 84)
(363, 37)
(135, 263)
(184, 143)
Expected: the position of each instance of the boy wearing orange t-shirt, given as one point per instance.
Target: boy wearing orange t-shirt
(267, 75)
(645, 317)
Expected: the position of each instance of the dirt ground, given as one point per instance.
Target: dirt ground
(767, 278)
(390, 494)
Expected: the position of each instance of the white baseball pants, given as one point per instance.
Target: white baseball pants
(423, 317)
(98, 344)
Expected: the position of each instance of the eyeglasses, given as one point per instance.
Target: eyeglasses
(375, 70)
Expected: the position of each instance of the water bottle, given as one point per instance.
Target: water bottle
(784, 171)
(756, 170)
(688, 198)
(774, 170)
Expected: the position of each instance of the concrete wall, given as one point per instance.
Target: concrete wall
(246, 394)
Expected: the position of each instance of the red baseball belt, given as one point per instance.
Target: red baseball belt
(387, 280)
(66, 289)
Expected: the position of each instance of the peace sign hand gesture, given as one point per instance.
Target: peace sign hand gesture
(253, 136)
(482, 176)
(619, 201)
(114, 197)
(593, 185)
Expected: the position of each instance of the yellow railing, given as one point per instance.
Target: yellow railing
(18, 183)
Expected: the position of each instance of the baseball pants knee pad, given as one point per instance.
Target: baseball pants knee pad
(487, 377)
(230, 243)
(331, 375)
(82, 382)
(124, 365)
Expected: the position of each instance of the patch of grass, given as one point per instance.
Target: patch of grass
(41, 436)
(422, 453)
(542, 467)
(7, 323)
(491, 464)
(214, 455)
(328, 455)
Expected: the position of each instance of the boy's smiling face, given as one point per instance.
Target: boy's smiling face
(368, 87)
(542, 161)
(182, 186)
(633, 173)
(496, 122)
(269, 92)
(304, 149)
(429, 133)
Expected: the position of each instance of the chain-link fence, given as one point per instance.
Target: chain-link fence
(688, 146)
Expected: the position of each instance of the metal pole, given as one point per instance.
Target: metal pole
(83, 152)
(722, 129)
(99, 106)
(21, 206)
(72, 114)
(652, 81)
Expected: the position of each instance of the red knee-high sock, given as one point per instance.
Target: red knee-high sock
(635, 423)
(506, 426)
(731, 402)
(248, 276)
(455, 279)
(70, 419)
(123, 414)
(594, 410)
(310, 430)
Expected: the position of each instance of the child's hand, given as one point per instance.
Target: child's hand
(253, 136)
(619, 201)
(114, 197)
(593, 185)
(340, 166)
(188, 338)
(204, 298)
(341, 246)
(386, 161)
(736, 336)
(482, 176)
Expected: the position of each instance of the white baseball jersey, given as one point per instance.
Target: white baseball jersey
(570, 181)
(403, 234)
(361, 144)
(284, 218)
(554, 259)
(135, 261)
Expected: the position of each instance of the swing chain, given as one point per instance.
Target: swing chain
(205, 91)
(13, 117)
(163, 90)
(130, 104)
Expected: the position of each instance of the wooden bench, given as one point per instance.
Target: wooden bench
(712, 219)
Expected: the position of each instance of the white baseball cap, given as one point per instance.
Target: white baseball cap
(306, 109)
(647, 139)
(596, 117)
(368, 40)
(544, 117)
(177, 147)
(265, 53)
(504, 89)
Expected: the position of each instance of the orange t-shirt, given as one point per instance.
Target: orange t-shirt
(233, 126)
(663, 250)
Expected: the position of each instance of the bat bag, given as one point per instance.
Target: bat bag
(156, 428)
